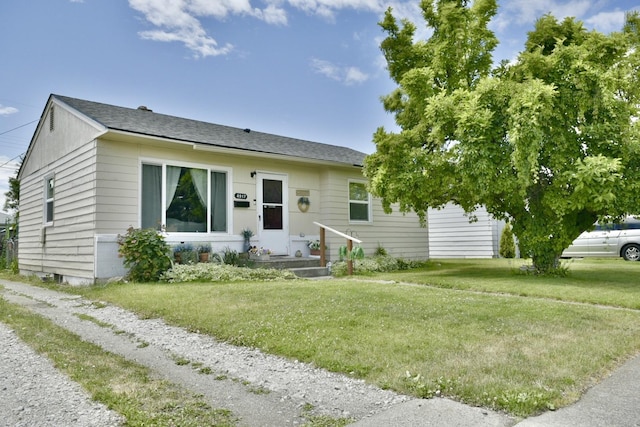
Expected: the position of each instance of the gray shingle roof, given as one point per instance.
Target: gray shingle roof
(160, 125)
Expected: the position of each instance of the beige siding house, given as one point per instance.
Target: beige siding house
(93, 170)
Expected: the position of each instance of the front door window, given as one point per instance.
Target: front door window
(271, 204)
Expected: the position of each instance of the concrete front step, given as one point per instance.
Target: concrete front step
(310, 271)
(284, 262)
(301, 267)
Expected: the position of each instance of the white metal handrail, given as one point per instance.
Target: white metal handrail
(346, 236)
(350, 240)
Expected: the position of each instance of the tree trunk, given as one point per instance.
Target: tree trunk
(546, 263)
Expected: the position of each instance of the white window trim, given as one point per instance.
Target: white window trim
(369, 205)
(47, 200)
(210, 168)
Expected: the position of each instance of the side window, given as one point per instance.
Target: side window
(633, 225)
(359, 202)
(49, 193)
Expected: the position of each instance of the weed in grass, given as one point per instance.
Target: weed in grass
(180, 361)
(326, 421)
(221, 377)
(92, 319)
(524, 403)
(205, 370)
(322, 420)
(143, 344)
(427, 389)
(99, 304)
(259, 390)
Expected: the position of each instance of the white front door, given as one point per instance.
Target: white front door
(273, 212)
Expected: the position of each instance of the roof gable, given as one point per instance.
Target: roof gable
(146, 122)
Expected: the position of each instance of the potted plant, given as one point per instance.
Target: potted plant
(247, 234)
(259, 254)
(178, 251)
(314, 247)
(203, 252)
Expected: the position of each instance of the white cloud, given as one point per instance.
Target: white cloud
(607, 22)
(5, 111)
(347, 75)
(273, 15)
(179, 20)
(355, 76)
(328, 8)
(528, 11)
(325, 68)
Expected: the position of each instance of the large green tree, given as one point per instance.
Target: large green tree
(549, 143)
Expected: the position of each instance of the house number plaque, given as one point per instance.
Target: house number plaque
(241, 196)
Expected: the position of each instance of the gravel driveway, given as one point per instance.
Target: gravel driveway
(291, 384)
(33, 392)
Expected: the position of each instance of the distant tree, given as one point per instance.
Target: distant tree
(507, 245)
(12, 197)
(550, 143)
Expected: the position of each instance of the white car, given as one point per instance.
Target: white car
(608, 240)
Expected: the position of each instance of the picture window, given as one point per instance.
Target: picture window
(195, 199)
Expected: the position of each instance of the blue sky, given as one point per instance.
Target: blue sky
(309, 69)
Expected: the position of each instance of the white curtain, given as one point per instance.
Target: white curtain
(199, 179)
(173, 176)
(151, 196)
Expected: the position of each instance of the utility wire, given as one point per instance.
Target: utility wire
(7, 162)
(21, 126)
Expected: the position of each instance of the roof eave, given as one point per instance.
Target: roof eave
(200, 146)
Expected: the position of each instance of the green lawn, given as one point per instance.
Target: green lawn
(613, 282)
(484, 333)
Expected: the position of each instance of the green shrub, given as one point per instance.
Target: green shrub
(376, 264)
(380, 251)
(366, 265)
(145, 253)
(355, 253)
(230, 257)
(507, 245)
(205, 272)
